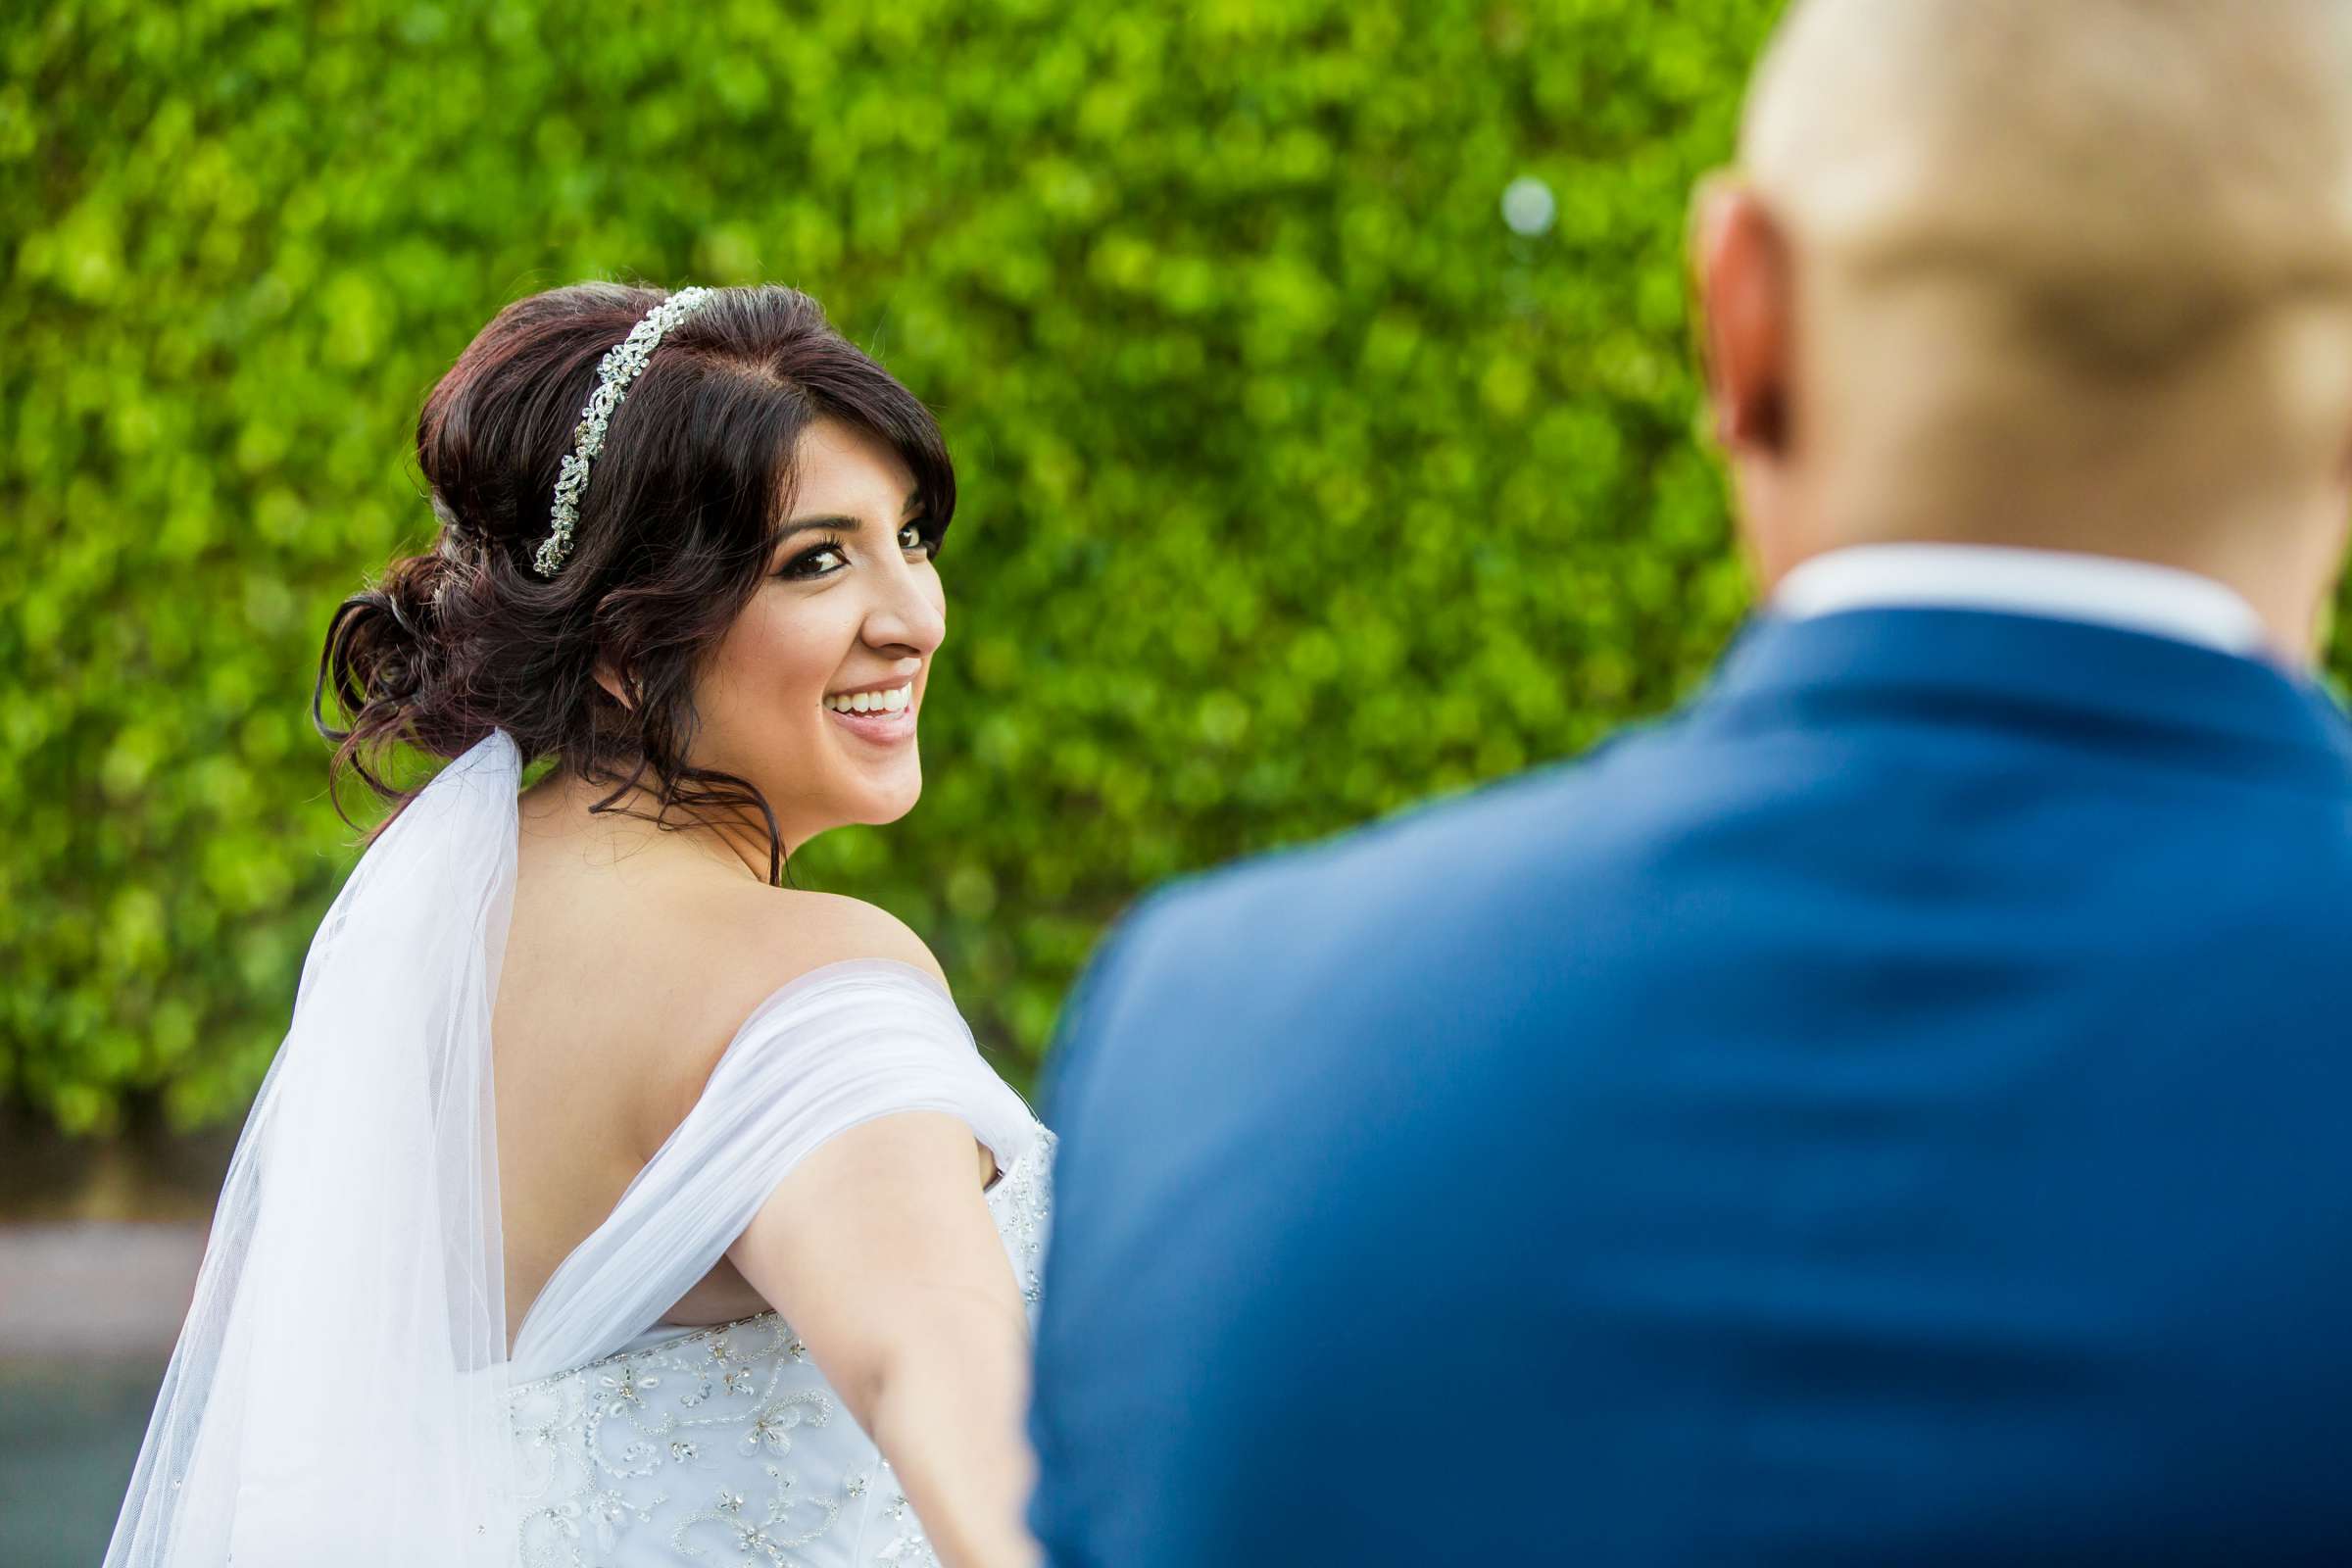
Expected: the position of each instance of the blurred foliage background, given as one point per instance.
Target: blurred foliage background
(1304, 475)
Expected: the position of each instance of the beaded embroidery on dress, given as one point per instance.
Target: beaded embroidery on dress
(636, 1444)
(726, 1446)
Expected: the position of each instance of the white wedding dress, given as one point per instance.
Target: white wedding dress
(342, 1390)
(640, 1443)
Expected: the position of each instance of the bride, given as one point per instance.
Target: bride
(610, 1203)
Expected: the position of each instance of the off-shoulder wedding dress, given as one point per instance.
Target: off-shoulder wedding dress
(343, 1392)
(640, 1443)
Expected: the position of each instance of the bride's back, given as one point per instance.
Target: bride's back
(633, 956)
(610, 991)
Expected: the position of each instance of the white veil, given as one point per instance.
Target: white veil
(338, 1391)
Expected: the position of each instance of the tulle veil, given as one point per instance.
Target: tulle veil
(338, 1392)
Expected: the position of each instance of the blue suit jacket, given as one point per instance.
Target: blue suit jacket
(1897, 1112)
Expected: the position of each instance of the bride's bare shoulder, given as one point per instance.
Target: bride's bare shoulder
(786, 933)
(743, 948)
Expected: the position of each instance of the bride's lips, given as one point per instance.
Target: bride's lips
(881, 728)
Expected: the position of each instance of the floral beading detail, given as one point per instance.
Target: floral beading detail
(727, 1445)
(769, 1534)
(619, 367)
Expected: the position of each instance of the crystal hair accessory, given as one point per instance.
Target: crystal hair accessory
(618, 367)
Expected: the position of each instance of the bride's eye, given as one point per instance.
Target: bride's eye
(820, 559)
(919, 536)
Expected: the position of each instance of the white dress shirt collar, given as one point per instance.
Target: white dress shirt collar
(2104, 590)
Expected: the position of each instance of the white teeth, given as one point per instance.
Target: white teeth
(887, 701)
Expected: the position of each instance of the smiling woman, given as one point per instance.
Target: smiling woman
(754, 422)
(814, 688)
(577, 1099)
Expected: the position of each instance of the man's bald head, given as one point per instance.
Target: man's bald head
(2129, 174)
(2075, 274)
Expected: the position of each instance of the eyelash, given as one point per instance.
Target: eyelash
(927, 536)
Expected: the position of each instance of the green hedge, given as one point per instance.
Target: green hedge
(1299, 485)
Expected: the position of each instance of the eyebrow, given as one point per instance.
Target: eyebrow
(843, 525)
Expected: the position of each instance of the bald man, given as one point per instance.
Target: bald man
(1896, 1110)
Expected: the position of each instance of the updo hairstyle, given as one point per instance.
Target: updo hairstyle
(676, 530)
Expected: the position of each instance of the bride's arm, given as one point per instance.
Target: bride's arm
(880, 1253)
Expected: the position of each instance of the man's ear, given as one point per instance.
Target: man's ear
(1742, 279)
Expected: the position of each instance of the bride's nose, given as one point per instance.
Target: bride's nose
(906, 613)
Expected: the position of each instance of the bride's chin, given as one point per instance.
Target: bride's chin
(860, 800)
(887, 803)
(883, 812)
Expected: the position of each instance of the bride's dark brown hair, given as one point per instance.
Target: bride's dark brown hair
(675, 534)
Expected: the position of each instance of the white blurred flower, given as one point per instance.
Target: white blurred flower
(1528, 206)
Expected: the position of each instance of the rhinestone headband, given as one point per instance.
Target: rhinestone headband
(613, 373)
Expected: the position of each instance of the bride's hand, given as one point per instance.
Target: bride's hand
(880, 1251)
